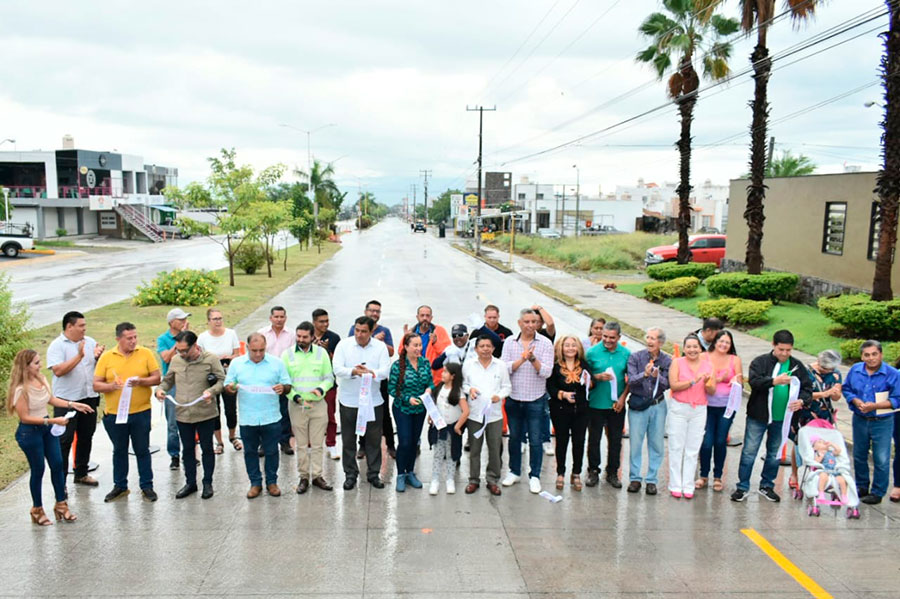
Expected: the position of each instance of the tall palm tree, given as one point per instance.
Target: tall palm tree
(684, 30)
(888, 186)
(320, 181)
(759, 14)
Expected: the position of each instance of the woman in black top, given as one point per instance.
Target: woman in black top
(569, 405)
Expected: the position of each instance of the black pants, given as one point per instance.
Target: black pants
(372, 441)
(570, 421)
(230, 401)
(286, 431)
(615, 424)
(84, 425)
(188, 432)
(387, 424)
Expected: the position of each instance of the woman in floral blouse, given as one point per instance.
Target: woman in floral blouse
(410, 378)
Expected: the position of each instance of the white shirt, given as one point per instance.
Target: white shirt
(450, 413)
(78, 383)
(490, 381)
(347, 355)
(223, 345)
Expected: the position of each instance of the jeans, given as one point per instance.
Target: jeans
(38, 445)
(409, 431)
(570, 421)
(284, 434)
(614, 422)
(268, 436)
(522, 416)
(173, 446)
(874, 433)
(137, 429)
(83, 425)
(189, 432)
(753, 434)
(685, 428)
(896, 451)
(652, 424)
(715, 441)
(230, 401)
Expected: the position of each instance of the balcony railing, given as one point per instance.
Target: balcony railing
(26, 191)
(75, 191)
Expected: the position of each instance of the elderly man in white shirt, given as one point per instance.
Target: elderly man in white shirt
(354, 357)
(486, 382)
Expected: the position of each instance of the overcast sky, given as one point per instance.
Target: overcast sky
(175, 81)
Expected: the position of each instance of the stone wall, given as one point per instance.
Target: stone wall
(809, 290)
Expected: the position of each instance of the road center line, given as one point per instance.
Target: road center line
(785, 564)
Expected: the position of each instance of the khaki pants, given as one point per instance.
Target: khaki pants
(493, 435)
(309, 426)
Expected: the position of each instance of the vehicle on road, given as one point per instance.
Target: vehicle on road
(549, 233)
(172, 230)
(15, 238)
(419, 227)
(602, 230)
(704, 248)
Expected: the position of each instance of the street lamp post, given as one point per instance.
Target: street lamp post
(577, 196)
(309, 133)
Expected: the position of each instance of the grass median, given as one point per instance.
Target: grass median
(236, 303)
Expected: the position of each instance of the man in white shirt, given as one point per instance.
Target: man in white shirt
(279, 340)
(354, 357)
(486, 382)
(72, 357)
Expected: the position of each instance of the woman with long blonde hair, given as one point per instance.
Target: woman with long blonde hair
(568, 386)
(29, 394)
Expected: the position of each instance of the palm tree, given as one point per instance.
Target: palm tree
(888, 185)
(788, 165)
(320, 180)
(759, 14)
(682, 34)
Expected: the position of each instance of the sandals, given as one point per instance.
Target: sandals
(792, 482)
(560, 483)
(718, 485)
(39, 517)
(576, 482)
(220, 449)
(701, 483)
(895, 495)
(236, 443)
(61, 511)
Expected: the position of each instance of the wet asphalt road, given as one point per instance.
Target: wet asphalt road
(599, 542)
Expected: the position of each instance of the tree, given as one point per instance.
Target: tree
(788, 165)
(320, 180)
(272, 218)
(231, 190)
(439, 211)
(301, 210)
(888, 182)
(681, 34)
(758, 14)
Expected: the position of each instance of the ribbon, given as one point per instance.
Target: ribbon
(735, 395)
(485, 412)
(125, 402)
(366, 412)
(436, 417)
(185, 405)
(549, 497)
(788, 413)
(258, 389)
(586, 381)
(613, 385)
(58, 429)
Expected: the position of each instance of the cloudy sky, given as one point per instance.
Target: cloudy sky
(175, 81)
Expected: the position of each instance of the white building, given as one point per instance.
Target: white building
(561, 207)
(709, 202)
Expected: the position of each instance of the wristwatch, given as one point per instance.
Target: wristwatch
(46, 420)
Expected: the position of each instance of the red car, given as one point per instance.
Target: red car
(704, 248)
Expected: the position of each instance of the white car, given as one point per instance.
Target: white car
(548, 233)
(14, 238)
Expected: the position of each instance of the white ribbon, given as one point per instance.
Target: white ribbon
(586, 381)
(125, 402)
(185, 405)
(366, 412)
(258, 389)
(735, 395)
(613, 385)
(436, 417)
(549, 497)
(58, 429)
(788, 413)
(485, 412)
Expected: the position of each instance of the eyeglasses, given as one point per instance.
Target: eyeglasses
(459, 336)
(183, 352)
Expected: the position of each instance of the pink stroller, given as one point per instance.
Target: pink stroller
(824, 458)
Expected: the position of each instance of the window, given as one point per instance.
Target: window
(107, 220)
(716, 242)
(835, 223)
(874, 233)
(540, 196)
(700, 244)
(521, 196)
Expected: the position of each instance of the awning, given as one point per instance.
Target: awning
(164, 209)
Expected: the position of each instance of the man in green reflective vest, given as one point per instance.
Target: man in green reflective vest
(309, 367)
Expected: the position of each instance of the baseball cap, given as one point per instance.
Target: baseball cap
(176, 313)
(459, 330)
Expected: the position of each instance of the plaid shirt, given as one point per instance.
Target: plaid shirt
(528, 385)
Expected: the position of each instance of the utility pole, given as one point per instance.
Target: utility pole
(480, 110)
(577, 196)
(562, 232)
(414, 203)
(426, 173)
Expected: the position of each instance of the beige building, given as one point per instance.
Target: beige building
(818, 226)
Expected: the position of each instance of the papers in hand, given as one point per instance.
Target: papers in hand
(436, 417)
(58, 429)
(884, 396)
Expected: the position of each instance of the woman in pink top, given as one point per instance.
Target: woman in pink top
(690, 379)
(726, 369)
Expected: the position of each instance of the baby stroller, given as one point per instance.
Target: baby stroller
(822, 434)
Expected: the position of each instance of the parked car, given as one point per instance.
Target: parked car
(603, 230)
(15, 238)
(419, 227)
(704, 248)
(548, 233)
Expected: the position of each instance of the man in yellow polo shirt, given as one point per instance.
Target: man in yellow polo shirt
(125, 375)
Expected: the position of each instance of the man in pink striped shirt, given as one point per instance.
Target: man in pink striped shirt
(278, 340)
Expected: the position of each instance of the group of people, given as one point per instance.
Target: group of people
(287, 390)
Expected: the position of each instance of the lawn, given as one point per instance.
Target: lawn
(588, 253)
(249, 292)
(810, 327)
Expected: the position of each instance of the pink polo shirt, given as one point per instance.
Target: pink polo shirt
(276, 344)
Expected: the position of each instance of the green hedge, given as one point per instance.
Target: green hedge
(717, 308)
(182, 287)
(680, 287)
(735, 310)
(670, 270)
(774, 286)
(850, 349)
(865, 318)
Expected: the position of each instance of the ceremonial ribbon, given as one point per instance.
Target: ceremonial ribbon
(58, 429)
(125, 402)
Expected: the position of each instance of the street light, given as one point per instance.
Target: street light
(8, 139)
(577, 196)
(309, 132)
(872, 103)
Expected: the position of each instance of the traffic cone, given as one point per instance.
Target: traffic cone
(676, 351)
(243, 347)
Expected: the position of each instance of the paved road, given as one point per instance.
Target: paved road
(600, 542)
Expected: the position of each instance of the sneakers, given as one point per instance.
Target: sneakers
(739, 495)
(413, 481)
(333, 453)
(115, 494)
(451, 486)
(548, 448)
(510, 479)
(769, 494)
(175, 464)
(434, 487)
(534, 484)
(401, 483)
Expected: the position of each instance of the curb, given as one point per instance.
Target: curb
(492, 263)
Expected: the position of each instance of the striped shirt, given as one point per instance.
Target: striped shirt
(528, 384)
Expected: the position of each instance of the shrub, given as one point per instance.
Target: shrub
(772, 286)
(250, 257)
(851, 348)
(670, 270)
(182, 287)
(60, 232)
(681, 287)
(749, 312)
(862, 316)
(717, 308)
(14, 333)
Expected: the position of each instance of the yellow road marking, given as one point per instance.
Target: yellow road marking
(785, 564)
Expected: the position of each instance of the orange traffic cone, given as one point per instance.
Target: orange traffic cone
(676, 352)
